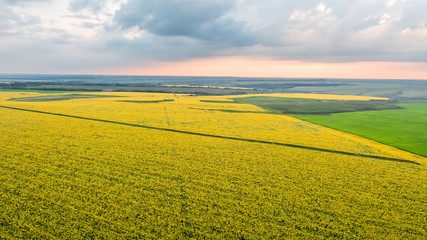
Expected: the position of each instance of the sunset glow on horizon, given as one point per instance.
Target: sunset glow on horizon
(258, 67)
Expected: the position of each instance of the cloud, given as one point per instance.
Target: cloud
(413, 15)
(131, 32)
(16, 2)
(347, 31)
(304, 30)
(12, 23)
(203, 20)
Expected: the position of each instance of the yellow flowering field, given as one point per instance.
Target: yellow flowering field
(191, 113)
(128, 167)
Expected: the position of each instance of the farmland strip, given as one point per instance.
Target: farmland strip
(218, 136)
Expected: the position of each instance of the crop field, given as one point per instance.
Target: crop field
(174, 166)
(405, 128)
(56, 97)
(315, 106)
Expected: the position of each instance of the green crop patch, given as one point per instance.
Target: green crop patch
(213, 101)
(399, 128)
(153, 101)
(315, 106)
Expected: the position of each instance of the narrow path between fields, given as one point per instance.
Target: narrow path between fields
(218, 136)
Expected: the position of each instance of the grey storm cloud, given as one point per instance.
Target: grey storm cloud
(204, 20)
(307, 30)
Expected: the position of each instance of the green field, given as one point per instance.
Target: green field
(314, 106)
(154, 101)
(404, 128)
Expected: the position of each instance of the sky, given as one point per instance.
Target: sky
(246, 38)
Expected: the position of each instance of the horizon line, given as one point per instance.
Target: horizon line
(215, 76)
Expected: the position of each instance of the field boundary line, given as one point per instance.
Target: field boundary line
(218, 136)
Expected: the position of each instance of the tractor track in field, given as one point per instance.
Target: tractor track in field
(218, 136)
